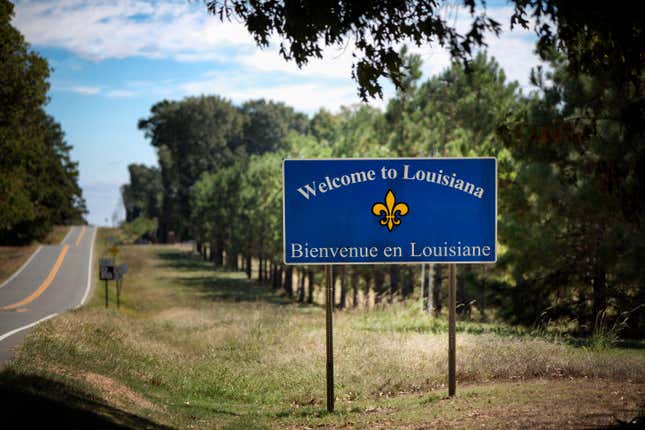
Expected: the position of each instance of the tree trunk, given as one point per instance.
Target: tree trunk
(379, 280)
(267, 269)
(370, 285)
(408, 283)
(288, 281)
(248, 266)
(211, 248)
(482, 299)
(219, 253)
(599, 281)
(301, 286)
(343, 288)
(198, 245)
(311, 286)
(436, 288)
(463, 301)
(231, 260)
(260, 271)
(395, 275)
(277, 276)
(353, 280)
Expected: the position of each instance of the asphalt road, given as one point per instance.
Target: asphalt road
(55, 278)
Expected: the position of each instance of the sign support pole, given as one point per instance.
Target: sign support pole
(330, 345)
(430, 288)
(423, 281)
(452, 349)
(106, 293)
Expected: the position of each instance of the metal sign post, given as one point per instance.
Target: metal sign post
(106, 273)
(423, 281)
(330, 340)
(452, 348)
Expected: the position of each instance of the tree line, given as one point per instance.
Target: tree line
(38, 179)
(570, 208)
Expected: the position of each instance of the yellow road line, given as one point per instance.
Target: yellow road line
(80, 236)
(33, 296)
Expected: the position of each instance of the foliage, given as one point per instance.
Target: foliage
(267, 124)
(142, 195)
(38, 180)
(193, 136)
(141, 228)
(375, 27)
(570, 163)
(573, 218)
(596, 37)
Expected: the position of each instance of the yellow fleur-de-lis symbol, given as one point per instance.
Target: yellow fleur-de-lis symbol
(389, 210)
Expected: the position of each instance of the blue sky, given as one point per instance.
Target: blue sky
(113, 59)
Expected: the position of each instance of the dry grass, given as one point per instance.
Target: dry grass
(12, 257)
(195, 347)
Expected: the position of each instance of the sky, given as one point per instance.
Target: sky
(113, 59)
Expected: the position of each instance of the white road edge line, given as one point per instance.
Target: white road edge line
(89, 270)
(71, 227)
(17, 272)
(25, 327)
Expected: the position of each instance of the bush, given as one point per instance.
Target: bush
(141, 228)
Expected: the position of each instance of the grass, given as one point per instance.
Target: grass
(192, 347)
(12, 257)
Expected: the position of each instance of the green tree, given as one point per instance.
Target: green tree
(23, 90)
(267, 124)
(38, 179)
(573, 219)
(192, 136)
(215, 212)
(142, 195)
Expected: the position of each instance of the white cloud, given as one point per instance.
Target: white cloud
(105, 29)
(304, 95)
(86, 91)
(336, 63)
(119, 94)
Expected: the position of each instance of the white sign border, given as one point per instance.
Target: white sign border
(284, 237)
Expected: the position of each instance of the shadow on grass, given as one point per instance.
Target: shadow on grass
(221, 285)
(183, 260)
(31, 401)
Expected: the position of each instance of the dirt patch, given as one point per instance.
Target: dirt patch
(116, 393)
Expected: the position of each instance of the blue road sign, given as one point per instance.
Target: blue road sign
(384, 211)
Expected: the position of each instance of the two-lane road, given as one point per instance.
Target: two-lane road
(55, 278)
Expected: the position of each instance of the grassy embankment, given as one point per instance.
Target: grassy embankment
(12, 257)
(195, 348)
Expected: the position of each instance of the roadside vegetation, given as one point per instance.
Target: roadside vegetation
(38, 179)
(570, 214)
(12, 257)
(196, 347)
